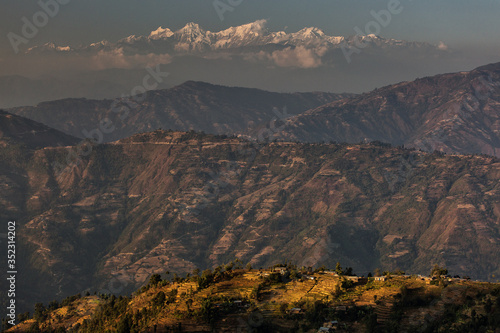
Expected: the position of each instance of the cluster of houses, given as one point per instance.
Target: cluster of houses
(362, 279)
(429, 279)
(240, 304)
(354, 279)
(329, 326)
(333, 325)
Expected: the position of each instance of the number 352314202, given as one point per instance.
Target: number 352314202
(11, 247)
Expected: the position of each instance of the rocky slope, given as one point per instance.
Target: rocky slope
(176, 201)
(191, 106)
(454, 113)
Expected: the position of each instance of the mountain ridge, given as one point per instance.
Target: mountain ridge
(16, 130)
(192, 38)
(185, 199)
(453, 113)
(192, 105)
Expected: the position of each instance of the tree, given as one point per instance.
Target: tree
(177, 278)
(23, 316)
(338, 269)
(159, 299)
(125, 324)
(229, 267)
(154, 279)
(348, 271)
(249, 267)
(206, 311)
(53, 305)
(346, 284)
(189, 302)
(438, 271)
(488, 305)
(205, 279)
(40, 312)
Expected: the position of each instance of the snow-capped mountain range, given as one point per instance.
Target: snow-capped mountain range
(194, 39)
(283, 61)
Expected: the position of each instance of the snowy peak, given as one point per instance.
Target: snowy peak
(191, 29)
(48, 47)
(254, 33)
(257, 28)
(194, 39)
(161, 33)
(310, 33)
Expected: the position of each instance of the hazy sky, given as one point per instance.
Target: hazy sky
(470, 31)
(456, 22)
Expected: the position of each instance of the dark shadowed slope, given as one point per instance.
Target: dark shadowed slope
(18, 130)
(191, 106)
(456, 113)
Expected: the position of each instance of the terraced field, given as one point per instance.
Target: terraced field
(267, 301)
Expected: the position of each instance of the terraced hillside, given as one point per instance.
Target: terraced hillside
(175, 200)
(237, 300)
